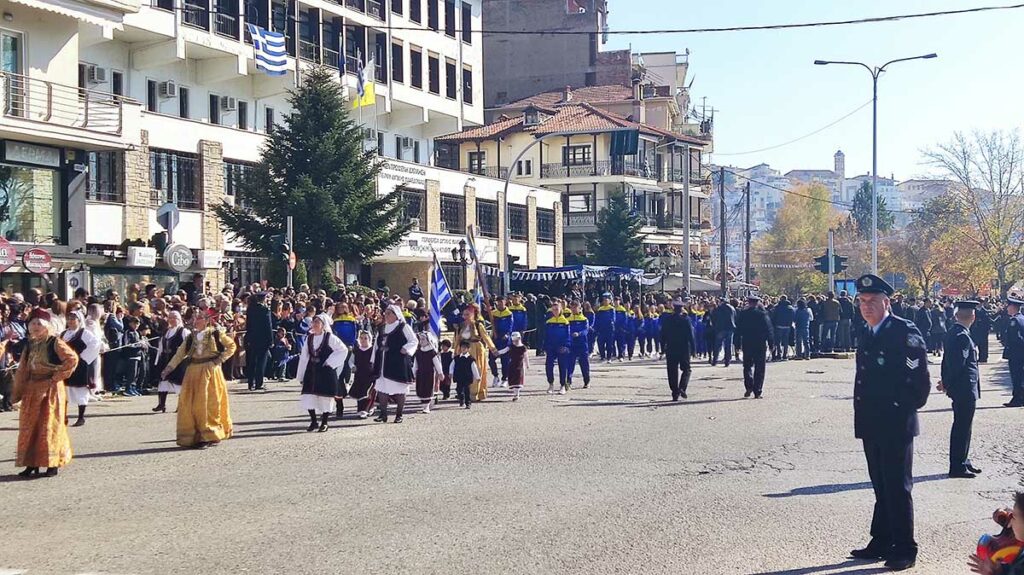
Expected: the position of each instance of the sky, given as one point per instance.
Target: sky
(767, 91)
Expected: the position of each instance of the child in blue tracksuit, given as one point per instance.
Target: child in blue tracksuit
(579, 331)
(622, 327)
(604, 325)
(636, 331)
(557, 344)
(588, 312)
(652, 331)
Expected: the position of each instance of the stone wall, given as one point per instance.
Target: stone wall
(212, 170)
(137, 192)
(531, 231)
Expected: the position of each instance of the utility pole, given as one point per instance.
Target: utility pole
(831, 260)
(746, 276)
(291, 244)
(686, 218)
(721, 233)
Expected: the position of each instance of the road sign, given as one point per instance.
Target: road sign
(292, 260)
(8, 255)
(178, 257)
(168, 216)
(37, 260)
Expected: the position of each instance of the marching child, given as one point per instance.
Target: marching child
(447, 356)
(426, 365)
(362, 382)
(280, 353)
(518, 363)
(465, 372)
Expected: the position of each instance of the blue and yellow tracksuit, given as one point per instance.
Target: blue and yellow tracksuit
(604, 324)
(557, 344)
(652, 325)
(346, 327)
(621, 331)
(579, 352)
(634, 332)
(502, 320)
(591, 340)
(409, 318)
(519, 322)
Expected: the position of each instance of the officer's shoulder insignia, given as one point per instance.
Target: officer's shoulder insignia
(915, 341)
(967, 353)
(913, 363)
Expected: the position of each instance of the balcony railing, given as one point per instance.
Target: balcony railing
(625, 167)
(375, 9)
(309, 51)
(351, 65)
(59, 104)
(490, 172)
(677, 175)
(197, 16)
(330, 57)
(579, 220)
(226, 25)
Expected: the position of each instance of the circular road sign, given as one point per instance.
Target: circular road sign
(178, 257)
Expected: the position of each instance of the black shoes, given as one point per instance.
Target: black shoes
(873, 551)
(900, 564)
(79, 422)
(748, 393)
(398, 419)
(970, 467)
(323, 427)
(312, 426)
(682, 394)
(675, 396)
(29, 473)
(1014, 404)
(962, 474)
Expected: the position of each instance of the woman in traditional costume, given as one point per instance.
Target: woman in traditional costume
(361, 364)
(321, 360)
(472, 329)
(427, 368)
(94, 323)
(39, 385)
(80, 384)
(204, 416)
(396, 344)
(172, 339)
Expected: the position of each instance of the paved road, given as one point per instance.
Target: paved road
(613, 479)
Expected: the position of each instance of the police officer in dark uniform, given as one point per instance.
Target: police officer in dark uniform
(891, 384)
(1013, 349)
(980, 330)
(962, 383)
(678, 344)
(756, 334)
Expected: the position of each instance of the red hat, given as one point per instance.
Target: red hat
(40, 313)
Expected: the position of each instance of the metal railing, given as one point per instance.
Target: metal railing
(59, 104)
(331, 57)
(309, 51)
(627, 167)
(678, 175)
(375, 9)
(490, 172)
(578, 220)
(351, 64)
(226, 25)
(196, 15)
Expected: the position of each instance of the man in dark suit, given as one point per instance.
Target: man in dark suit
(723, 318)
(980, 330)
(891, 384)
(755, 332)
(678, 345)
(1013, 349)
(259, 337)
(962, 383)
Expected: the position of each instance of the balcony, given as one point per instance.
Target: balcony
(579, 220)
(226, 25)
(36, 100)
(331, 58)
(490, 172)
(679, 176)
(196, 15)
(309, 51)
(619, 167)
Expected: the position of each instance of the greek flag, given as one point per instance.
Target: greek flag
(269, 51)
(440, 295)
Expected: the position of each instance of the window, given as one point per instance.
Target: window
(545, 226)
(104, 179)
(416, 68)
(434, 74)
(416, 151)
(581, 203)
(416, 11)
(214, 109)
(477, 162)
(174, 177)
(449, 18)
(398, 147)
(398, 63)
(34, 206)
(380, 143)
(414, 213)
(196, 13)
(432, 15)
(268, 119)
(243, 115)
(165, 5)
(453, 273)
(152, 104)
(517, 222)
(576, 155)
(117, 83)
(183, 111)
(453, 214)
(396, 6)
(524, 168)
(451, 82)
(467, 23)
(83, 69)
(235, 172)
(487, 218)
(467, 85)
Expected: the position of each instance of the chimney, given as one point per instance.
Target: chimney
(567, 95)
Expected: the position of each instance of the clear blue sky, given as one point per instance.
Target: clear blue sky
(768, 91)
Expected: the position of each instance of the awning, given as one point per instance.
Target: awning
(78, 11)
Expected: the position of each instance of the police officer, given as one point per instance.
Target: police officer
(980, 330)
(678, 345)
(756, 334)
(891, 384)
(1013, 349)
(962, 383)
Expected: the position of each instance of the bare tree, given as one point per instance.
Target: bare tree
(989, 168)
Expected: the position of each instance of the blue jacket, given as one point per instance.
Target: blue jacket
(503, 321)
(784, 315)
(803, 318)
(622, 320)
(519, 321)
(346, 328)
(579, 331)
(556, 334)
(604, 320)
(651, 325)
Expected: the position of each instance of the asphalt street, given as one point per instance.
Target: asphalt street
(612, 479)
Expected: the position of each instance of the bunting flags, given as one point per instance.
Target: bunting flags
(269, 50)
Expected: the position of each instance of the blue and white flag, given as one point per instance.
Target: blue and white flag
(440, 295)
(269, 50)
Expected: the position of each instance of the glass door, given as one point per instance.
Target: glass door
(11, 58)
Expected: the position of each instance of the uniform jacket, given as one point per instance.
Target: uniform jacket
(579, 331)
(892, 381)
(519, 321)
(259, 333)
(556, 334)
(754, 328)
(723, 318)
(503, 322)
(346, 327)
(604, 320)
(622, 320)
(960, 374)
(677, 339)
(923, 320)
(1013, 338)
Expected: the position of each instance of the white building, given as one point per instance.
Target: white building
(114, 107)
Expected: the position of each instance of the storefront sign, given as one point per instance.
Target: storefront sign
(211, 259)
(141, 257)
(401, 173)
(31, 154)
(8, 255)
(418, 246)
(178, 257)
(37, 260)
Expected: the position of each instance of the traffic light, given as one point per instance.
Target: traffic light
(512, 261)
(838, 263)
(821, 264)
(282, 248)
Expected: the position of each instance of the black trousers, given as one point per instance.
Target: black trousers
(754, 360)
(982, 348)
(1017, 379)
(256, 366)
(960, 435)
(891, 468)
(678, 373)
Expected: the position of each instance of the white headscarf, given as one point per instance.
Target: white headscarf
(431, 344)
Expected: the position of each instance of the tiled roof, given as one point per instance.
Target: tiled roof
(587, 95)
(493, 130)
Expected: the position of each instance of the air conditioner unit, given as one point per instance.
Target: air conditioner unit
(370, 134)
(228, 104)
(444, 227)
(407, 143)
(96, 75)
(414, 223)
(168, 89)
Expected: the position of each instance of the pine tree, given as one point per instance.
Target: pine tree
(315, 169)
(619, 241)
(860, 213)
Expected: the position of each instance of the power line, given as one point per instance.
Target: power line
(805, 136)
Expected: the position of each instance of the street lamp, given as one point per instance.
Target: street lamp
(459, 257)
(875, 73)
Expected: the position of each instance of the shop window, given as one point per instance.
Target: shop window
(30, 206)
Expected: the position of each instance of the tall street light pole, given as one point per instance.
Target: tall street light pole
(875, 73)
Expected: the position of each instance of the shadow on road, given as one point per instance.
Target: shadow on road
(950, 409)
(842, 487)
(834, 568)
(643, 404)
(147, 451)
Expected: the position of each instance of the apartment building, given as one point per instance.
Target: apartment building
(113, 108)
